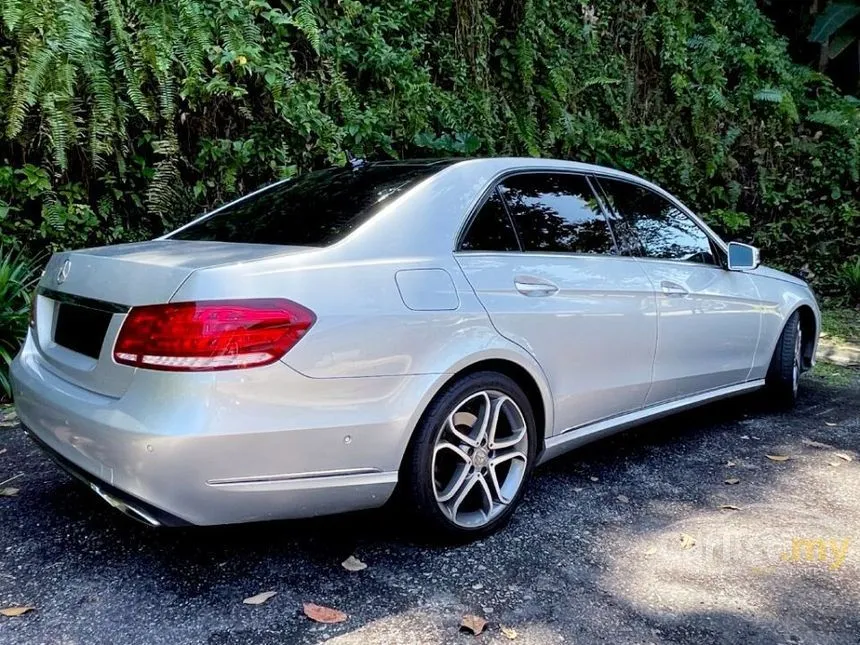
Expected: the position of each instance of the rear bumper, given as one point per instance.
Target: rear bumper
(228, 447)
(134, 508)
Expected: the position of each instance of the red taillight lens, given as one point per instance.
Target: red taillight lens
(211, 335)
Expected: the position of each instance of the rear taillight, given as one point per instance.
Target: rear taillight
(211, 335)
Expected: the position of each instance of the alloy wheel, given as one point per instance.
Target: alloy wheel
(480, 458)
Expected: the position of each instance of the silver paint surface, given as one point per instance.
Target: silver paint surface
(399, 313)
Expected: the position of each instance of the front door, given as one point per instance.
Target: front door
(709, 317)
(543, 261)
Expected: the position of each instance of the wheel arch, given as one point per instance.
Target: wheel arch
(809, 333)
(527, 374)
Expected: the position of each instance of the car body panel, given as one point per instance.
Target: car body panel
(597, 297)
(780, 295)
(400, 315)
(708, 329)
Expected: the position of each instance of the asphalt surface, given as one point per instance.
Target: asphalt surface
(595, 554)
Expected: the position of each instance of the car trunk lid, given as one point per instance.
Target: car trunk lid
(85, 295)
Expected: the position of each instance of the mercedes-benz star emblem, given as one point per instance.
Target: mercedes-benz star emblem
(63, 273)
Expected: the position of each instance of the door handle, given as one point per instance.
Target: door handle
(534, 287)
(673, 289)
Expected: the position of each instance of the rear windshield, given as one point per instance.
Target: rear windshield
(316, 209)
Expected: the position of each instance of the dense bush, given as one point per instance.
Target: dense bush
(18, 277)
(121, 118)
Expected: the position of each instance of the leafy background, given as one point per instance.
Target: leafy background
(120, 119)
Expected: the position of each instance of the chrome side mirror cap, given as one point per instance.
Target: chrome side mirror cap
(743, 257)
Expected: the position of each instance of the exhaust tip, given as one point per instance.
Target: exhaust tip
(126, 509)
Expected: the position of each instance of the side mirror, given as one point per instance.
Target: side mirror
(743, 257)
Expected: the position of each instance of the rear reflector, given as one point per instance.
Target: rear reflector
(211, 335)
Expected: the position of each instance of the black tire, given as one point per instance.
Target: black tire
(783, 376)
(421, 474)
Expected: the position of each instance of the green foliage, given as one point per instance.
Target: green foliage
(124, 118)
(18, 277)
(832, 19)
(849, 275)
(837, 27)
(841, 324)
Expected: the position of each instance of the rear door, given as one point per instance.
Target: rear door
(709, 317)
(542, 259)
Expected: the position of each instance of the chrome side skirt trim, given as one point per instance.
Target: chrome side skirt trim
(576, 437)
(292, 477)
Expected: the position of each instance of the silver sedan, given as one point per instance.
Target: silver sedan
(441, 326)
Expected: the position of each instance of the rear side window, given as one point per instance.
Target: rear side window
(316, 209)
(491, 229)
(663, 231)
(556, 213)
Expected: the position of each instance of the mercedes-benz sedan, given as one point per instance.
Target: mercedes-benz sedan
(442, 326)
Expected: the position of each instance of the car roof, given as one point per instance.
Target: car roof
(513, 162)
(427, 220)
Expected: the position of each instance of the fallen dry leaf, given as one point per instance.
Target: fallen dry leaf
(16, 611)
(817, 444)
(651, 550)
(9, 492)
(321, 614)
(843, 456)
(778, 457)
(474, 624)
(731, 481)
(833, 463)
(260, 598)
(687, 541)
(729, 507)
(509, 632)
(353, 564)
(623, 499)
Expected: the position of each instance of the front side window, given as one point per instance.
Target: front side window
(315, 209)
(491, 228)
(663, 231)
(556, 213)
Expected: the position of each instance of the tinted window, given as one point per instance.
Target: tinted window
(491, 229)
(315, 209)
(663, 231)
(556, 212)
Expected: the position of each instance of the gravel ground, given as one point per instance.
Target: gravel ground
(624, 541)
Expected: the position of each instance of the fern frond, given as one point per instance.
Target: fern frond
(769, 95)
(304, 20)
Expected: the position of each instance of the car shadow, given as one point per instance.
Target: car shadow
(573, 560)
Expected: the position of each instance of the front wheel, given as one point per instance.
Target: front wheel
(471, 456)
(783, 377)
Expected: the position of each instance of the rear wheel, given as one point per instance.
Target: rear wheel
(471, 455)
(783, 377)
